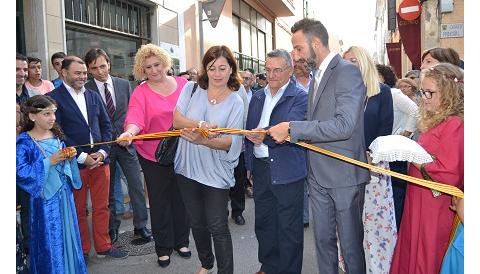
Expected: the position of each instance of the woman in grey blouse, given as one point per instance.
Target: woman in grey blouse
(204, 166)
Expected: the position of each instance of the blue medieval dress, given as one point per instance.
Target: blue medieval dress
(453, 260)
(55, 245)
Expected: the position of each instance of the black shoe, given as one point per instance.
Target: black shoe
(239, 220)
(144, 233)
(113, 235)
(305, 225)
(184, 254)
(163, 263)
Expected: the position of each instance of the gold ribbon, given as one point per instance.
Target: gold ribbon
(444, 188)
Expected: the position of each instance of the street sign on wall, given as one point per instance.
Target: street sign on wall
(451, 30)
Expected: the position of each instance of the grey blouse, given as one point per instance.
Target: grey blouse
(208, 166)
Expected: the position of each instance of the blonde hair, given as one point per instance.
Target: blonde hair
(449, 82)
(367, 68)
(147, 51)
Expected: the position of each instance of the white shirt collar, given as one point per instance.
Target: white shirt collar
(100, 84)
(323, 66)
(72, 91)
(280, 90)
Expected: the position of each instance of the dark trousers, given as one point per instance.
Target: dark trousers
(208, 213)
(23, 199)
(237, 193)
(131, 168)
(169, 220)
(278, 221)
(399, 187)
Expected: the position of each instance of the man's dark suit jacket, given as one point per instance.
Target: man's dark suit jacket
(123, 91)
(74, 126)
(288, 161)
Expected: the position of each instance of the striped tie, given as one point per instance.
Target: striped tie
(109, 101)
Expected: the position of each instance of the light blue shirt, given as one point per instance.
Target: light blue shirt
(249, 95)
(211, 167)
(307, 86)
(261, 150)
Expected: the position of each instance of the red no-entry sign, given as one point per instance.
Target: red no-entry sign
(410, 9)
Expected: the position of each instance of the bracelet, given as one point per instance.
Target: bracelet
(130, 133)
(200, 123)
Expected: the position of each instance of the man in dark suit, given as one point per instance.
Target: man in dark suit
(334, 122)
(115, 93)
(83, 118)
(279, 170)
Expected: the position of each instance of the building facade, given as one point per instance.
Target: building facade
(251, 28)
(441, 25)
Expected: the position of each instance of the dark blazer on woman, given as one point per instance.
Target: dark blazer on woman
(378, 115)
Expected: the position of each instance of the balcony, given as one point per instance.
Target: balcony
(245, 61)
(280, 8)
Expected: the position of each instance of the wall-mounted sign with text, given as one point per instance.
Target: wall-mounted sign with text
(451, 30)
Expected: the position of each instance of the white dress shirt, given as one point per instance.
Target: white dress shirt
(79, 98)
(101, 88)
(320, 71)
(249, 95)
(261, 150)
(405, 113)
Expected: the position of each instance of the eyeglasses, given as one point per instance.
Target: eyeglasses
(275, 71)
(246, 78)
(427, 93)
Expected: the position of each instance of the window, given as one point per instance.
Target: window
(235, 33)
(254, 36)
(118, 15)
(119, 48)
(245, 37)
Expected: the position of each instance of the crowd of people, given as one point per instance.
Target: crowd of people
(363, 222)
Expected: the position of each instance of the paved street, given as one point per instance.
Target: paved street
(245, 253)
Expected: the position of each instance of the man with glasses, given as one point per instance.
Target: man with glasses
(279, 170)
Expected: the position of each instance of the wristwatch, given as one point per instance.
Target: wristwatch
(288, 128)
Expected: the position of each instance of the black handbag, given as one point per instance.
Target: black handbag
(166, 149)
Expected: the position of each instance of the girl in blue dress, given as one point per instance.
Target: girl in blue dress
(48, 174)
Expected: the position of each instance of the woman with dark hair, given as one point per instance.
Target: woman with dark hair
(433, 56)
(427, 219)
(48, 172)
(205, 166)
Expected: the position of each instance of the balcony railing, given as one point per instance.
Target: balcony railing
(245, 61)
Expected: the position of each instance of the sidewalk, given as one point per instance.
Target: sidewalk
(244, 251)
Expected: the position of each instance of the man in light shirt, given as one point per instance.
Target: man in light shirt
(84, 120)
(279, 170)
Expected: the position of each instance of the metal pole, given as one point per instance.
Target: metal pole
(200, 27)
